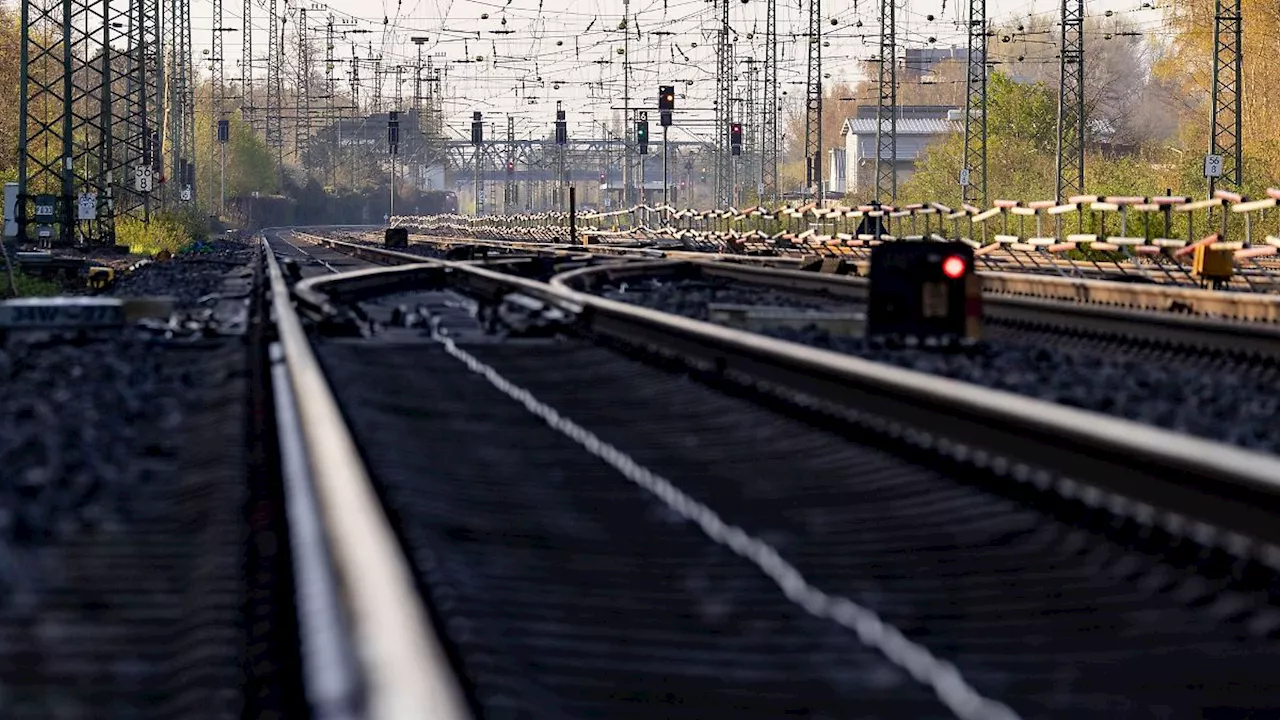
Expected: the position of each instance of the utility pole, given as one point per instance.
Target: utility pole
(275, 85)
(73, 52)
(477, 140)
(512, 195)
(973, 175)
(420, 126)
(302, 94)
(1071, 118)
(724, 108)
(751, 154)
(1225, 162)
(626, 103)
(393, 149)
(813, 104)
(246, 65)
(217, 111)
(769, 125)
(331, 116)
(562, 140)
(887, 106)
(179, 138)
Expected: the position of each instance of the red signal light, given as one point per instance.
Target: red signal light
(953, 267)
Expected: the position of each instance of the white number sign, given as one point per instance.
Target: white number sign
(142, 179)
(87, 206)
(1212, 166)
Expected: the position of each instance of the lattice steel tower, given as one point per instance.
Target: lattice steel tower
(813, 104)
(724, 109)
(974, 173)
(769, 125)
(87, 86)
(887, 106)
(217, 69)
(179, 139)
(1071, 119)
(302, 93)
(273, 122)
(1226, 139)
(331, 99)
(247, 94)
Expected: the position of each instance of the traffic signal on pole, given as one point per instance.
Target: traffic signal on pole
(735, 138)
(477, 128)
(562, 129)
(666, 103)
(642, 136)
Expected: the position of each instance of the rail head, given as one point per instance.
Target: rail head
(405, 672)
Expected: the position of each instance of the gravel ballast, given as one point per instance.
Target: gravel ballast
(126, 541)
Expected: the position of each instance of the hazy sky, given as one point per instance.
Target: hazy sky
(518, 57)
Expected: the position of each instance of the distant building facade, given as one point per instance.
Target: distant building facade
(853, 168)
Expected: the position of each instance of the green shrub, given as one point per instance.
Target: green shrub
(165, 232)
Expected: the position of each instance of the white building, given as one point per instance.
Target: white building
(918, 126)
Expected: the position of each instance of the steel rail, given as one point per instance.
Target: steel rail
(1222, 493)
(404, 671)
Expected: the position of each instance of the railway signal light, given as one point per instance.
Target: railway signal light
(924, 291)
(224, 131)
(477, 128)
(666, 103)
(511, 168)
(642, 136)
(735, 138)
(393, 133)
(562, 129)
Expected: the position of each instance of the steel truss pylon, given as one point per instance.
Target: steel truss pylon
(1226, 139)
(974, 172)
(724, 109)
(887, 106)
(87, 94)
(769, 126)
(813, 105)
(179, 137)
(1071, 116)
(247, 95)
(302, 93)
(275, 81)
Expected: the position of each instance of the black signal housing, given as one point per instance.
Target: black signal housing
(925, 293)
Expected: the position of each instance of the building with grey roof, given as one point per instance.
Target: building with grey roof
(852, 168)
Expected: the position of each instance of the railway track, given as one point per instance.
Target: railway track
(999, 281)
(540, 503)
